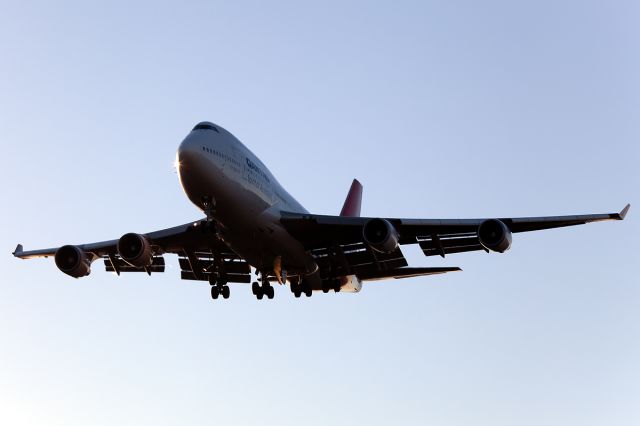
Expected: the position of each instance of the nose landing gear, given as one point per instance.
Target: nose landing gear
(210, 224)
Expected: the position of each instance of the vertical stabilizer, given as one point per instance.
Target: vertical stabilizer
(353, 202)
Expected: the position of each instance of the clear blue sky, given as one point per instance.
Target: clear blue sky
(441, 109)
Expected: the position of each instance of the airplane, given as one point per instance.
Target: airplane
(252, 221)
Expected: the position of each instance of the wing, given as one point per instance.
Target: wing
(201, 252)
(330, 238)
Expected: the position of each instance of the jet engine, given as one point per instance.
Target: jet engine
(73, 261)
(380, 235)
(494, 235)
(135, 250)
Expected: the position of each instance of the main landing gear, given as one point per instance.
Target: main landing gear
(219, 287)
(299, 287)
(264, 289)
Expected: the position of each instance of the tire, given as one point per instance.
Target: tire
(297, 293)
(214, 292)
(259, 296)
(270, 292)
(255, 288)
(226, 292)
(308, 292)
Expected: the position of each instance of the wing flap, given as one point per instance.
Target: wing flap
(227, 264)
(350, 259)
(399, 273)
(117, 265)
(231, 278)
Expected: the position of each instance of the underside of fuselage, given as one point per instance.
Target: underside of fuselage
(240, 196)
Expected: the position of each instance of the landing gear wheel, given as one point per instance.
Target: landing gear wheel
(260, 290)
(296, 288)
(226, 292)
(215, 292)
(307, 291)
(325, 287)
(270, 292)
(337, 286)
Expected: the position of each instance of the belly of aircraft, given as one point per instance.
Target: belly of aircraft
(246, 223)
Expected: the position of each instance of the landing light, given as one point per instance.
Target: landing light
(176, 164)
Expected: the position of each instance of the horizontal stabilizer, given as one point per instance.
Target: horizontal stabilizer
(405, 272)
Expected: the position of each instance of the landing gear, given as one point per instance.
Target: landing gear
(210, 224)
(301, 287)
(222, 290)
(307, 289)
(297, 290)
(219, 288)
(209, 205)
(264, 289)
(269, 291)
(225, 292)
(296, 287)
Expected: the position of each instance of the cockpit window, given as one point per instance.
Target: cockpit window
(206, 126)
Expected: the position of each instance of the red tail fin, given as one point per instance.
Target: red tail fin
(353, 202)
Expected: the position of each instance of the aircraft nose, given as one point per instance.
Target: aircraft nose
(189, 151)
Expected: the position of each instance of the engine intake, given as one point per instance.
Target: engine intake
(494, 235)
(73, 261)
(135, 250)
(380, 235)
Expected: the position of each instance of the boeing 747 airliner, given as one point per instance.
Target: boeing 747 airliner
(251, 221)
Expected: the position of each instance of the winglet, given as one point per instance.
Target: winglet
(18, 250)
(624, 211)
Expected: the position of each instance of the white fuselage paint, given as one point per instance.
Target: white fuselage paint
(248, 201)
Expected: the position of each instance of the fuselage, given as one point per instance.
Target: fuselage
(213, 165)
